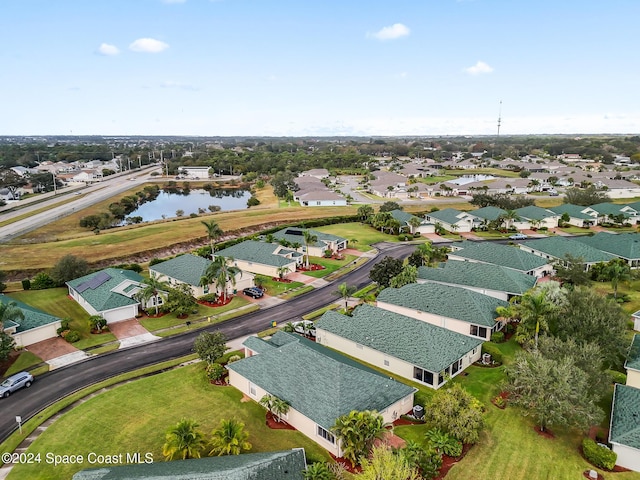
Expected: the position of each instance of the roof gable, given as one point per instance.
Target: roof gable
(427, 346)
(575, 211)
(185, 268)
(257, 252)
(295, 234)
(535, 213)
(488, 213)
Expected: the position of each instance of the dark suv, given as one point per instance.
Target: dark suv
(254, 292)
(14, 382)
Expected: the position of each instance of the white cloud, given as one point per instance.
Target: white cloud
(178, 85)
(392, 32)
(148, 45)
(479, 68)
(107, 49)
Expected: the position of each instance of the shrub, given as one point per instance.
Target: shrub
(492, 350)
(599, 456)
(42, 281)
(129, 266)
(26, 284)
(209, 297)
(617, 377)
(72, 336)
(215, 371)
(497, 337)
(155, 261)
(253, 201)
(404, 237)
(234, 358)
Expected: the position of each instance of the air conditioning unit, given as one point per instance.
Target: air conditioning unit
(486, 358)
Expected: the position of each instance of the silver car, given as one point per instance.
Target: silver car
(15, 382)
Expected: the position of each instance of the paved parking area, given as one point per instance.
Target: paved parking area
(127, 328)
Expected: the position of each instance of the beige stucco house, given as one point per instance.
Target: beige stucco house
(262, 257)
(35, 327)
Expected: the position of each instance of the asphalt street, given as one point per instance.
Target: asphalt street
(59, 383)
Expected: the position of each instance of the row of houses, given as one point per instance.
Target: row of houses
(313, 192)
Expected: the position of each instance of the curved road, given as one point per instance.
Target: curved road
(59, 383)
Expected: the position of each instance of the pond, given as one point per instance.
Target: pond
(167, 204)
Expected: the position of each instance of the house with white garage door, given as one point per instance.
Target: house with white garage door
(109, 293)
(36, 325)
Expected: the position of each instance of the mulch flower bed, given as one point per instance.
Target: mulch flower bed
(544, 433)
(272, 423)
(153, 315)
(312, 267)
(281, 280)
(347, 464)
(217, 303)
(501, 404)
(405, 421)
(448, 462)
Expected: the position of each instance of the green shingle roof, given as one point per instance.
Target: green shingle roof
(451, 302)
(625, 426)
(535, 213)
(404, 217)
(498, 254)
(448, 215)
(625, 245)
(287, 465)
(633, 358)
(186, 268)
(419, 343)
(33, 318)
(574, 211)
(101, 297)
(256, 252)
(488, 213)
(479, 275)
(317, 382)
(559, 247)
(295, 234)
(608, 208)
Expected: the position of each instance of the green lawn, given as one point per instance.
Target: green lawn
(276, 288)
(133, 417)
(330, 265)
(24, 361)
(365, 234)
(576, 230)
(56, 301)
(171, 319)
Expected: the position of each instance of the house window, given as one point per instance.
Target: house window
(455, 367)
(206, 289)
(326, 435)
(477, 331)
(252, 389)
(423, 375)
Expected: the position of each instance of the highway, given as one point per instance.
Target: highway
(57, 384)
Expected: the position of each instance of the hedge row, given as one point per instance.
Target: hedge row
(598, 455)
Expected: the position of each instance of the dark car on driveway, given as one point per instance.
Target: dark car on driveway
(254, 292)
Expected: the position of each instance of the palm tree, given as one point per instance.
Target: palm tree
(275, 405)
(345, 292)
(9, 312)
(534, 311)
(617, 271)
(414, 223)
(214, 232)
(221, 273)
(153, 288)
(357, 431)
(282, 271)
(183, 440)
(229, 438)
(510, 216)
(309, 238)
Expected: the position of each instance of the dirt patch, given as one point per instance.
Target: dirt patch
(245, 399)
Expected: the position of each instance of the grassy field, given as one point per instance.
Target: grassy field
(330, 265)
(134, 417)
(365, 234)
(55, 301)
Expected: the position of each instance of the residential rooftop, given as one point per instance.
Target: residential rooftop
(560, 247)
(575, 211)
(625, 245)
(498, 254)
(108, 289)
(33, 318)
(185, 268)
(295, 234)
(447, 301)
(422, 344)
(257, 252)
(633, 357)
(532, 212)
(625, 428)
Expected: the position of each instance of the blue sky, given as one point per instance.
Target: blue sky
(318, 67)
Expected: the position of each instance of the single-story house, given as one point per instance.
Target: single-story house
(488, 214)
(624, 245)
(402, 345)
(194, 171)
(557, 248)
(262, 257)
(318, 173)
(190, 269)
(579, 216)
(535, 217)
(109, 293)
(619, 188)
(326, 241)
(281, 465)
(319, 384)
(497, 282)
(624, 429)
(607, 212)
(321, 198)
(453, 308)
(35, 327)
(507, 256)
(453, 220)
(405, 222)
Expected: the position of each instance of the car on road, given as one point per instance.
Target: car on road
(15, 382)
(253, 292)
(518, 236)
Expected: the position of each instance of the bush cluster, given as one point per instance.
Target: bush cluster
(492, 350)
(598, 455)
(497, 337)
